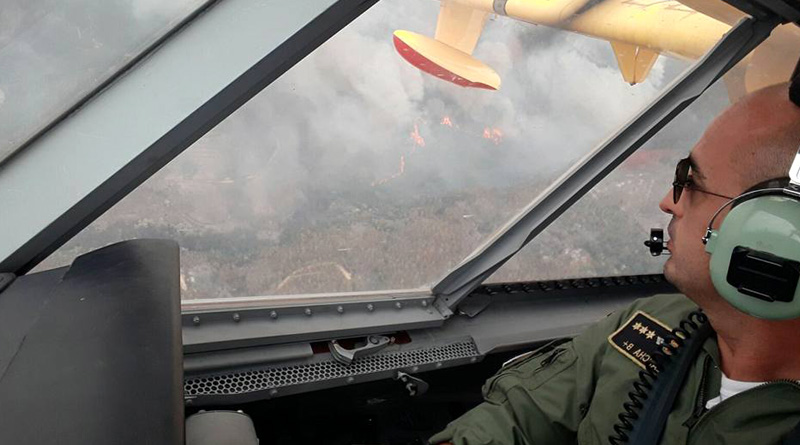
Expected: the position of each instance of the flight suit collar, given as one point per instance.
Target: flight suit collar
(711, 347)
(712, 379)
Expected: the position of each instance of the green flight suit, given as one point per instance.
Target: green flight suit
(573, 393)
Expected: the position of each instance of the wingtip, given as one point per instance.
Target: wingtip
(442, 61)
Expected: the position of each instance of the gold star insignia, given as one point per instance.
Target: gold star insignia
(643, 330)
(637, 326)
(650, 335)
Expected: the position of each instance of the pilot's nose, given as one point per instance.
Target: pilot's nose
(667, 205)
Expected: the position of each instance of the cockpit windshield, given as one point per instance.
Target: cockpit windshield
(362, 169)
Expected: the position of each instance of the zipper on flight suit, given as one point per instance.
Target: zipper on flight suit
(550, 358)
(551, 349)
(700, 402)
(774, 382)
(523, 358)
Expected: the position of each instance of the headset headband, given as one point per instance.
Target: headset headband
(791, 189)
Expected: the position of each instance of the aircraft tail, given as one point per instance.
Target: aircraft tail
(634, 61)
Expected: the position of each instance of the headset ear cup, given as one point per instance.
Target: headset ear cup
(755, 257)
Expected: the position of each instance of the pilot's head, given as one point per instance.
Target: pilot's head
(754, 140)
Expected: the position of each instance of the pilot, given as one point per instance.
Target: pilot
(740, 387)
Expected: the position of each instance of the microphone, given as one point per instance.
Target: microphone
(656, 243)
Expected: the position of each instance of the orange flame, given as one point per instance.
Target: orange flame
(446, 121)
(415, 136)
(400, 171)
(493, 134)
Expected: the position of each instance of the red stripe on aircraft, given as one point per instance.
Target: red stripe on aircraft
(424, 64)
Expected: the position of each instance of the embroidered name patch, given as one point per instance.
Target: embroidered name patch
(640, 339)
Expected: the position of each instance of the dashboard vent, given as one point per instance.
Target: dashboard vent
(267, 378)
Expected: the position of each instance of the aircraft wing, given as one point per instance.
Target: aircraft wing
(638, 30)
(664, 27)
(716, 9)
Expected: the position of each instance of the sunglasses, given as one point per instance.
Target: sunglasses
(683, 181)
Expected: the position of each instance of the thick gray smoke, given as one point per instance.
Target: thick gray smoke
(342, 118)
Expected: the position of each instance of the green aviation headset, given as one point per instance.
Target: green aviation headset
(755, 254)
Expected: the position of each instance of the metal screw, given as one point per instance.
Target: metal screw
(398, 305)
(340, 309)
(236, 317)
(308, 311)
(438, 364)
(473, 359)
(424, 303)
(196, 320)
(370, 307)
(273, 314)
(415, 369)
(350, 380)
(273, 392)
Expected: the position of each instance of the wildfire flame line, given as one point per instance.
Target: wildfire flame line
(400, 171)
(416, 137)
(492, 134)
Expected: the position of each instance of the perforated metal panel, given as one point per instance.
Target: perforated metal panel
(280, 376)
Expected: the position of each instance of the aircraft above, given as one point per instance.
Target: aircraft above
(638, 31)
